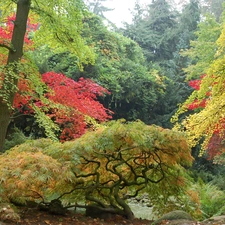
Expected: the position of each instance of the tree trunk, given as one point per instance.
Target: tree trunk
(4, 122)
(14, 56)
(126, 208)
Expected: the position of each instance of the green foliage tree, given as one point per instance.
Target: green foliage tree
(154, 30)
(188, 23)
(102, 169)
(162, 33)
(96, 7)
(203, 49)
(120, 67)
(177, 89)
(60, 27)
(214, 7)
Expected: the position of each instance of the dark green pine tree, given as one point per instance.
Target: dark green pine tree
(153, 28)
(162, 33)
(188, 23)
(177, 88)
(97, 7)
(133, 30)
(214, 7)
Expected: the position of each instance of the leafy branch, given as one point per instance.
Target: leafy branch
(7, 47)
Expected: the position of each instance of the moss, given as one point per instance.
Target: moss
(174, 215)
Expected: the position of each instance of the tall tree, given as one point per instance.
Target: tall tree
(163, 33)
(97, 7)
(177, 89)
(60, 25)
(188, 23)
(214, 7)
(154, 30)
(202, 50)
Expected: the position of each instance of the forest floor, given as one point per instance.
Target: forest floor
(36, 217)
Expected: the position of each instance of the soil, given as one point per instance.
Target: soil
(32, 216)
(36, 217)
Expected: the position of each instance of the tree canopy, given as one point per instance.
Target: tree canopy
(72, 106)
(154, 30)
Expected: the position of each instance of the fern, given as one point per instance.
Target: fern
(211, 199)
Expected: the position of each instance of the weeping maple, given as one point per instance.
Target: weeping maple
(103, 169)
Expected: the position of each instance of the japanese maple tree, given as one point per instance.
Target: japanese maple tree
(81, 95)
(6, 32)
(198, 102)
(71, 103)
(103, 169)
(215, 145)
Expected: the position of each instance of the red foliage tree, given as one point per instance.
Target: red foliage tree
(78, 100)
(7, 29)
(81, 95)
(196, 104)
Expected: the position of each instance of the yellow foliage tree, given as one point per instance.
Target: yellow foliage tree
(202, 124)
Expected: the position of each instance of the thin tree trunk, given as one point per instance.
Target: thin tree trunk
(126, 208)
(4, 122)
(14, 56)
